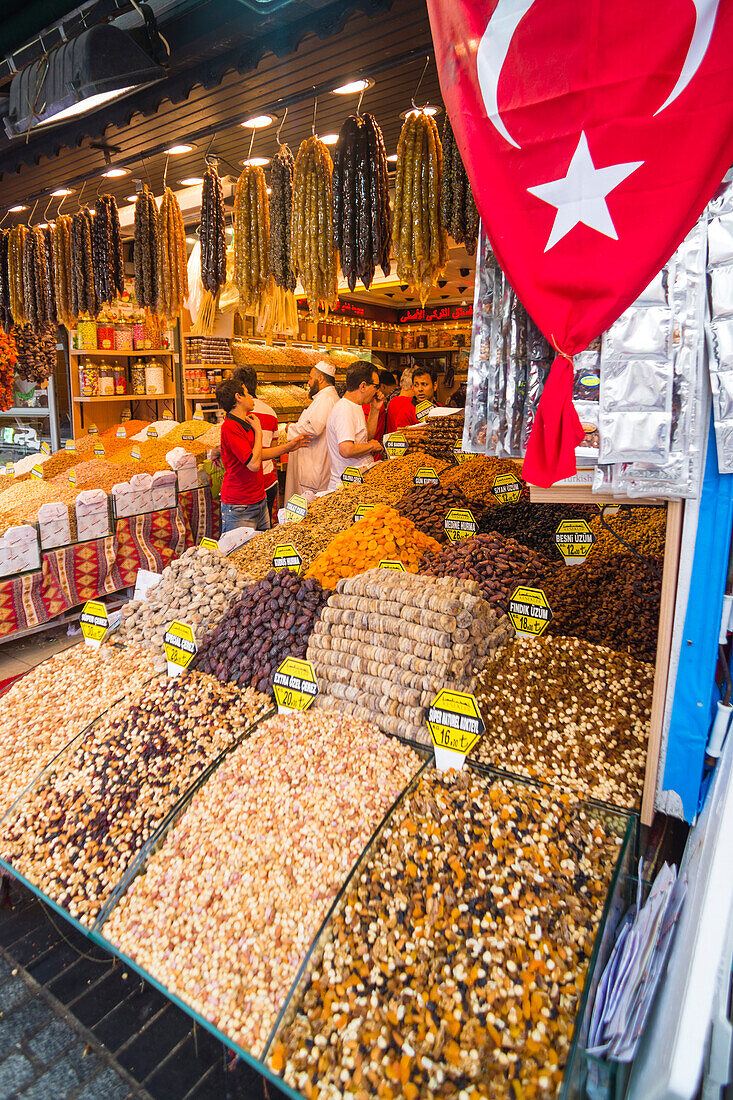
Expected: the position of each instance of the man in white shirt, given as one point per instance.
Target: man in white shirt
(349, 434)
(309, 470)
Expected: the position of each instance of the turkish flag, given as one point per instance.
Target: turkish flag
(594, 132)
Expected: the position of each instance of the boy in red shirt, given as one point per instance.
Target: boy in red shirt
(243, 500)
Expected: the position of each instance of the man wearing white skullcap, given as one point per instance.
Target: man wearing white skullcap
(309, 469)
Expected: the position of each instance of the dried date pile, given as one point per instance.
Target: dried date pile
(454, 964)
(427, 505)
(228, 907)
(438, 436)
(611, 601)
(387, 642)
(77, 832)
(571, 713)
(495, 563)
(272, 620)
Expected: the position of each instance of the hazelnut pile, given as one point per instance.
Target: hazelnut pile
(227, 909)
(454, 964)
(569, 712)
(76, 833)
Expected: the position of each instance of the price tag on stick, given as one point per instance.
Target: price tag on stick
(426, 475)
(296, 509)
(460, 523)
(295, 685)
(507, 488)
(395, 445)
(455, 725)
(362, 511)
(286, 556)
(180, 647)
(352, 476)
(529, 611)
(574, 540)
(209, 544)
(94, 622)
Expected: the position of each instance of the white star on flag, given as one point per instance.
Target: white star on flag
(581, 195)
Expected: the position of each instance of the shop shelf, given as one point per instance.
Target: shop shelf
(126, 397)
(129, 354)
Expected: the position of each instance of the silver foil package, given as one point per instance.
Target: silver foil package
(719, 325)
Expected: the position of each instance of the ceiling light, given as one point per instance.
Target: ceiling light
(61, 192)
(177, 150)
(17, 209)
(420, 110)
(100, 64)
(258, 122)
(353, 87)
(392, 158)
(41, 225)
(115, 173)
(330, 139)
(256, 162)
(130, 198)
(192, 181)
(191, 240)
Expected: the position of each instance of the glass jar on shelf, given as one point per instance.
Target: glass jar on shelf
(120, 378)
(137, 377)
(106, 380)
(88, 378)
(105, 334)
(123, 335)
(154, 376)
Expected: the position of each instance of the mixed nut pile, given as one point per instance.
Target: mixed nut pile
(226, 910)
(454, 964)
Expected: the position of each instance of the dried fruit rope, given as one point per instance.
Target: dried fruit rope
(281, 210)
(84, 295)
(107, 250)
(145, 249)
(16, 247)
(33, 278)
(6, 316)
(172, 272)
(314, 256)
(48, 276)
(420, 241)
(213, 244)
(361, 214)
(251, 237)
(63, 271)
(458, 211)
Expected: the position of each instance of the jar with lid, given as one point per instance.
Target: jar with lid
(137, 376)
(123, 335)
(154, 376)
(106, 380)
(120, 378)
(88, 378)
(105, 334)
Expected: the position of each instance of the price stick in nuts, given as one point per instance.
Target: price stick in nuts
(167, 414)
(395, 445)
(46, 448)
(187, 437)
(72, 477)
(121, 433)
(9, 469)
(507, 488)
(398, 566)
(294, 685)
(135, 453)
(199, 414)
(529, 611)
(209, 544)
(99, 450)
(70, 445)
(180, 647)
(422, 409)
(37, 471)
(94, 622)
(93, 430)
(286, 556)
(455, 725)
(574, 540)
(362, 511)
(460, 523)
(296, 509)
(460, 455)
(352, 476)
(426, 475)
(152, 433)
(125, 415)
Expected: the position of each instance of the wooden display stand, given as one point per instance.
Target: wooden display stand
(579, 494)
(105, 411)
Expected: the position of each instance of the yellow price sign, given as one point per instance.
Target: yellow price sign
(125, 415)
(460, 523)
(386, 563)
(70, 445)
(285, 556)
(93, 429)
(507, 488)
(395, 445)
(362, 512)
(294, 685)
(574, 539)
(198, 415)
(209, 544)
(352, 475)
(37, 471)
(296, 508)
(167, 414)
(72, 477)
(460, 455)
(455, 725)
(152, 433)
(121, 433)
(180, 647)
(426, 475)
(422, 409)
(94, 622)
(99, 450)
(529, 611)
(46, 448)
(135, 453)
(9, 469)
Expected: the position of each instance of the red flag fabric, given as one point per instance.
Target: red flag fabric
(594, 132)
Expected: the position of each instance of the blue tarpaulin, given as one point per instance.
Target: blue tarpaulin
(696, 693)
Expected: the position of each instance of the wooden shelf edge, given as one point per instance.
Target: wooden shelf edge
(129, 354)
(126, 397)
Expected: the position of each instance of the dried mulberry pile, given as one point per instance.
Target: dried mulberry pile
(172, 270)
(458, 211)
(420, 241)
(36, 352)
(361, 212)
(146, 250)
(251, 237)
(314, 255)
(8, 359)
(211, 234)
(107, 250)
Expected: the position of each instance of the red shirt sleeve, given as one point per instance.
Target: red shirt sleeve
(241, 445)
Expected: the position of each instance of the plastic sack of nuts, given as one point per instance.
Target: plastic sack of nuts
(227, 909)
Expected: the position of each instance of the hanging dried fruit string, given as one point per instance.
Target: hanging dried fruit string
(34, 263)
(314, 255)
(107, 250)
(251, 237)
(145, 251)
(8, 359)
(213, 243)
(84, 295)
(172, 268)
(420, 241)
(63, 271)
(16, 247)
(6, 317)
(48, 276)
(284, 308)
(361, 213)
(458, 211)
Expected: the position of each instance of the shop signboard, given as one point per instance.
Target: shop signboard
(294, 685)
